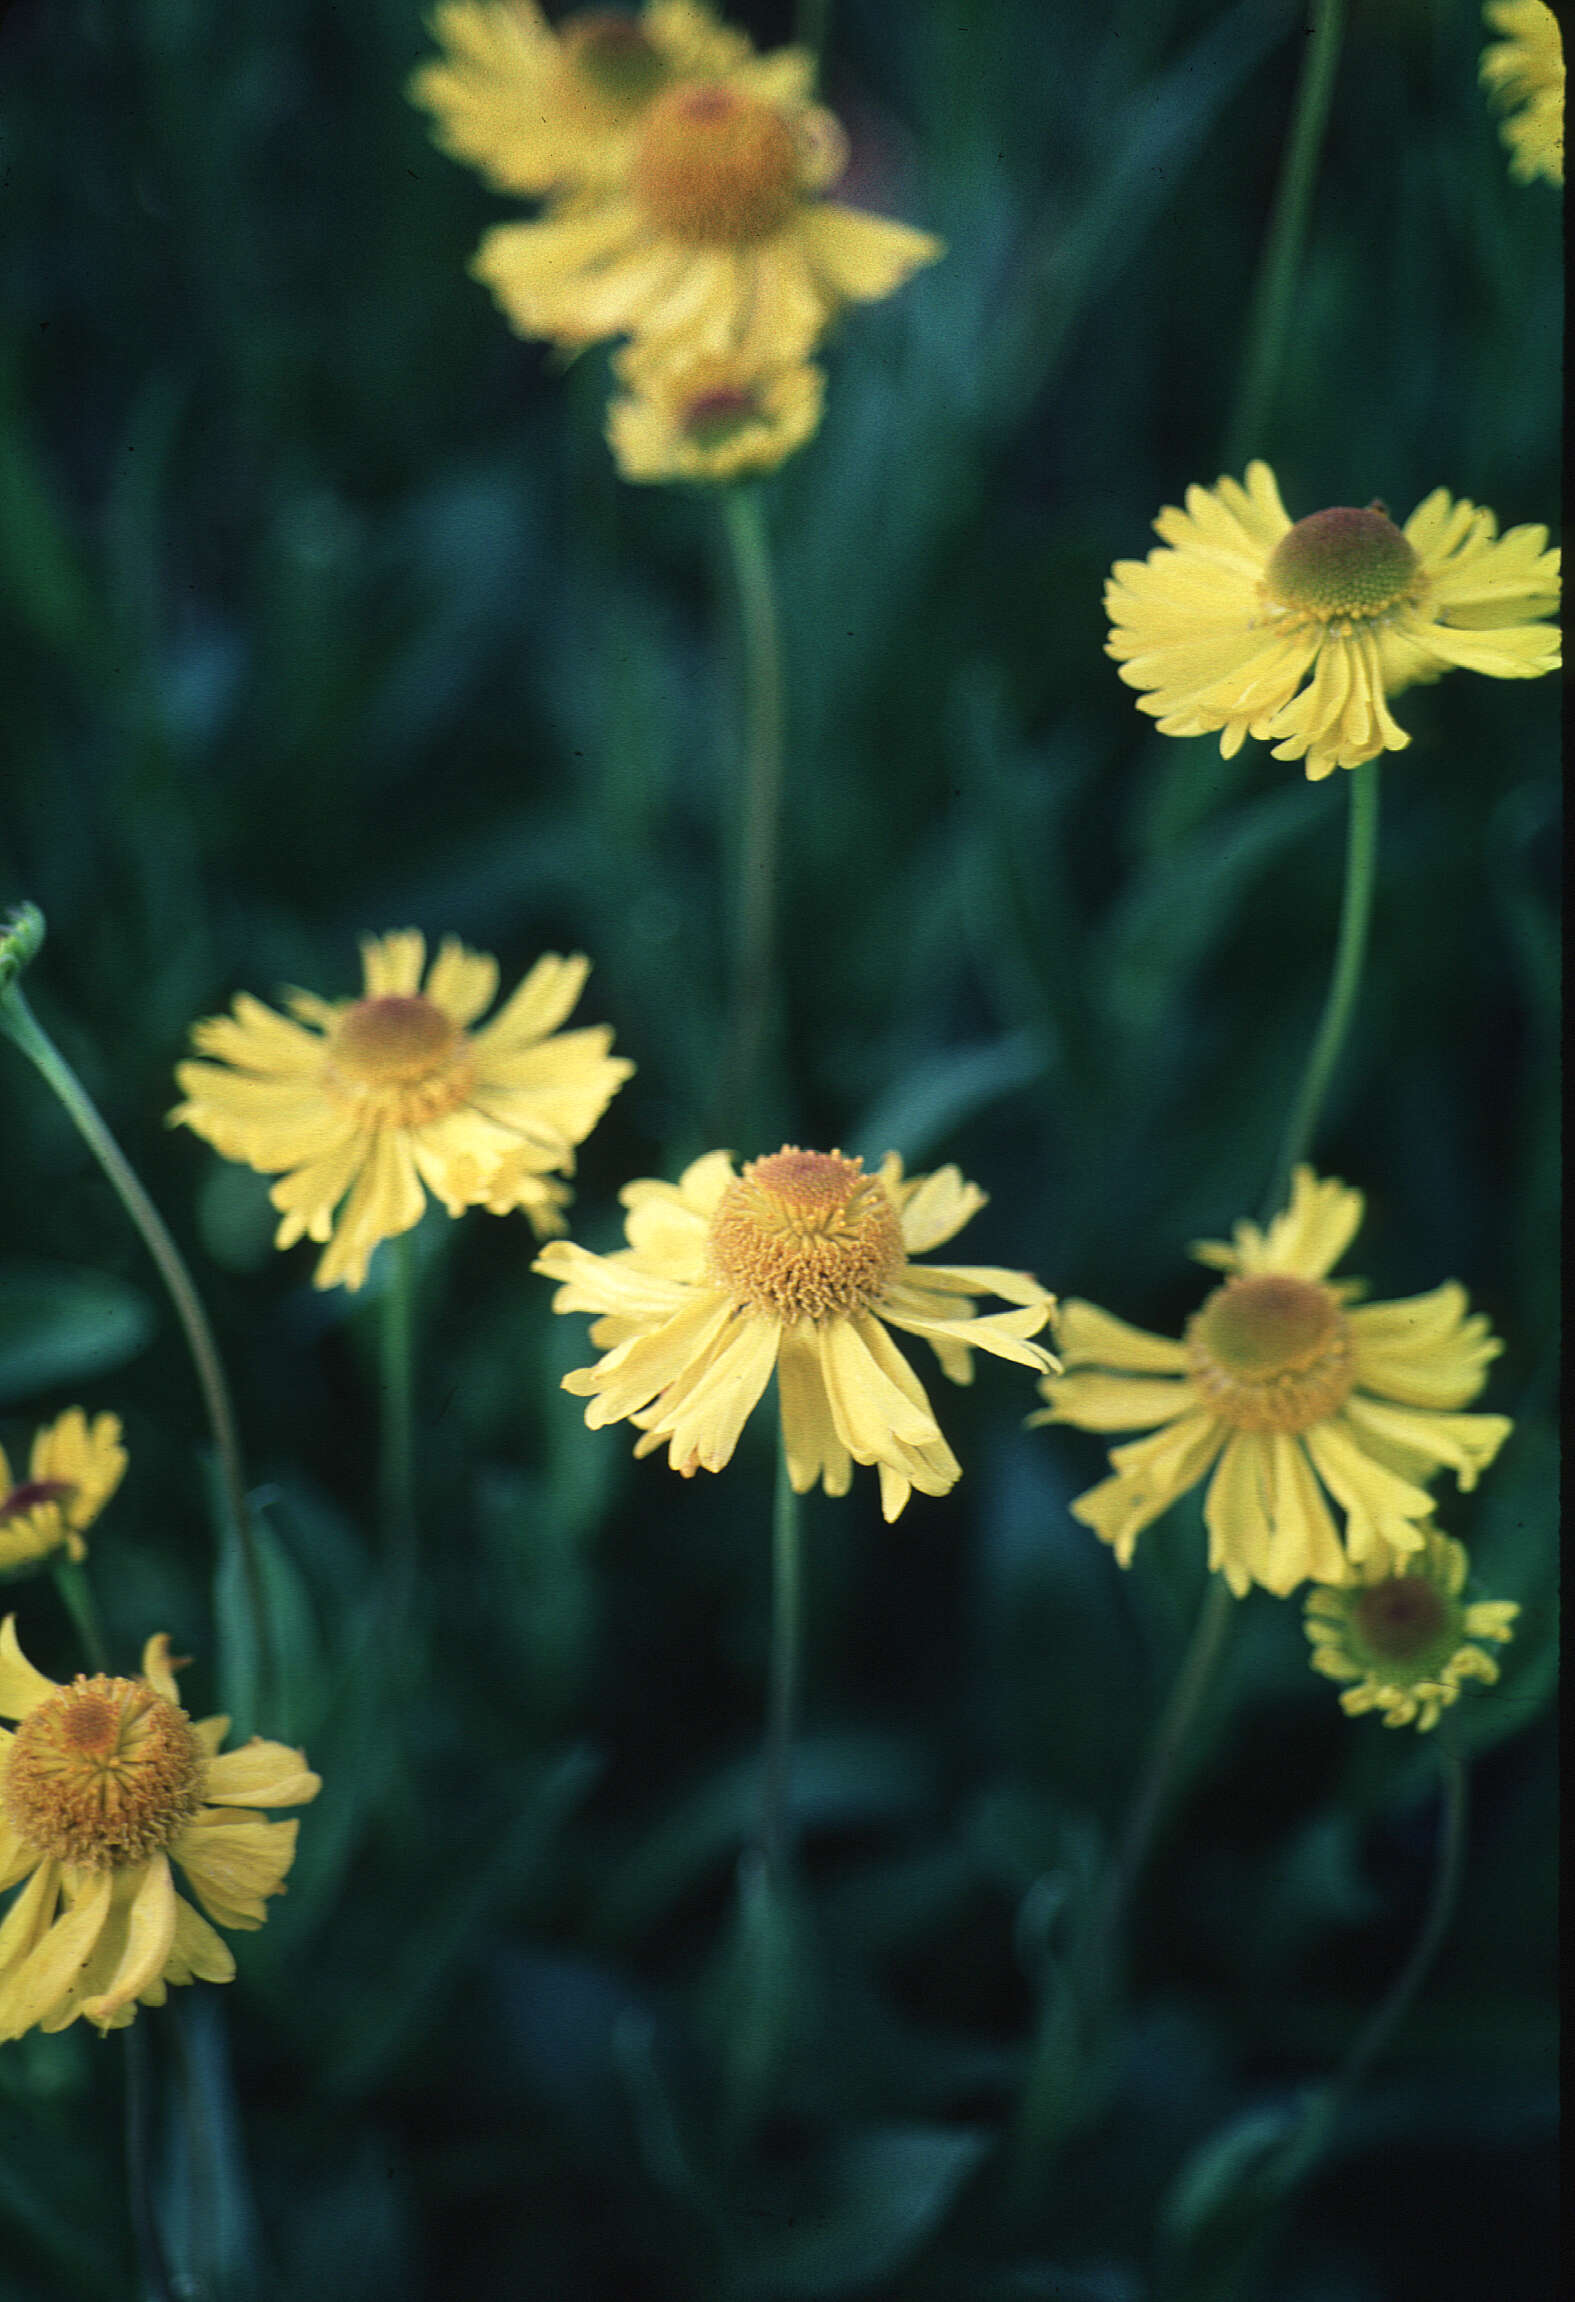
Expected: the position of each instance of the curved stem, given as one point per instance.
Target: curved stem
(755, 906)
(1361, 859)
(1171, 1736)
(1275, 285)
(397, 1464)
(776, 1831)
(76, 1594)
(139, 2172)
(22, 1026)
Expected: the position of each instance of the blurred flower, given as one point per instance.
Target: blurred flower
(1525, 72)
(1224, 626)
(712, 418)
(797, 1265)
(1403, 1638)
(375, 1096)
(71, 1474)
(718, 242)
(103, 1782)
(540, 111)
(1292, 1393)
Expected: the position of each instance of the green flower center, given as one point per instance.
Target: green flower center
(611, 51)
(806, 1235)
(714, 418)
(716, 169)
(1271, 1352)
(1404, 1629)
(1342, 563)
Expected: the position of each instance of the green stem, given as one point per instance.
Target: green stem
(755, 903)
(1275, 286)
(76, 1594)
(1171, 1736)
(139, 2172)
(398, 1456)
(19, 1022)
(776, 1832)
(1361, 859)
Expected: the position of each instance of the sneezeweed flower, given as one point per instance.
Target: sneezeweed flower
(798, 1266)
(1298, 635)
(363, 1101)
(537, 110)
(1291, 1393)
(712, 419)
(103, 1785)
(72, 1471)
(1403, 1637)
(1524, 74)
(720, 241)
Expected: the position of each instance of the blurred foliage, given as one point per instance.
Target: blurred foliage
(321, 610)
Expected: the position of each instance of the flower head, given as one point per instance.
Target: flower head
(1298, 635)
(374, 1097)
(717, 241)
(1524, 74)
(798, 1265)
(1293, 1394)
(1402, 1635)
(72, 1471)
(540, 111)
(712, 419)
(104, 1783)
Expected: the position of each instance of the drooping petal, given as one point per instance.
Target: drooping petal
(1149, 1475)
(260, 1774)
(150, 1932)
(1095, 1401)
(29, 1991)
(21, 1687)
(234, 1861)
(1085, 1336)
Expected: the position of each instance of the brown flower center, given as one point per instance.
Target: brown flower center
(1271, 1352)
(1342, 565)
(716, 169)
(611, 51)
(1405, 1626)
(400, 1059)
(104, 1773)
(806, 1235)
(713, 418)
(31, 1493)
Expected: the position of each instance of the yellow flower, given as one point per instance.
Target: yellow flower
(539, 111)
(712, 419)
(798, 1266)
(1290, 1392)
(1223, 628)
(1525, 72)
(72, 1472)
(1402, 1637)
(377, 1096)
(719, 242)
(102, 1784)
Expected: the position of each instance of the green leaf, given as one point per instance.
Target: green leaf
(890, 2188)
(933, 1099)
(61, 1327)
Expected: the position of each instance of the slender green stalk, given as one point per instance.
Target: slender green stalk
(155, 2279)
(397, 1463)
(1350, 953)
(76, 1594)
(1171, 1737)
(755, 899)
(20, 1024)
(776, 1831)
(1275, 287)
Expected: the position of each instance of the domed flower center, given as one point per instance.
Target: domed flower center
(1342, 564)
(1271, 1352)
(32, 1492)
(716, 169)
(104, 1773)
(401, 1059)
(713, 418)
(1405, 1626)
(806, 1235)
(611, 51)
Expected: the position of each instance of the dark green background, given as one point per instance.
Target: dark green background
(324, 611)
